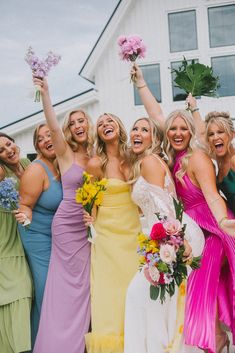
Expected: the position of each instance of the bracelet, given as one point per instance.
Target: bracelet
(139, 87)
(221, 221)
(194, 110)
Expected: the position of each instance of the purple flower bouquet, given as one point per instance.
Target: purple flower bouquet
(40, 68)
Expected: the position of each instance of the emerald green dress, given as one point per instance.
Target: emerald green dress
(227, 186)
(15, 284)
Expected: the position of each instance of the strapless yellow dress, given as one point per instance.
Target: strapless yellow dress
(114, 262)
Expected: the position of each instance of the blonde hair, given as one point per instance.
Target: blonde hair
(170, 152)
(154, 148)
(222, 120)
(35, 143)
(100, 146)
(68, 136)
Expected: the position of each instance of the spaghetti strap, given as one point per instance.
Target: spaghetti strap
(49, 172)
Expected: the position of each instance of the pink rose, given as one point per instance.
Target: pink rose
(167, 253)
(158, 232)
(172, 227)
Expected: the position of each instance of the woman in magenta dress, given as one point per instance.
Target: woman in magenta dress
(211, 289)
(65, 315)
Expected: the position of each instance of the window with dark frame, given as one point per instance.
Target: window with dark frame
(182, 31)
(152, 77)
(221, 22)
(224, 67)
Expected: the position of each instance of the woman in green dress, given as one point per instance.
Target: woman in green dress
(15, 279)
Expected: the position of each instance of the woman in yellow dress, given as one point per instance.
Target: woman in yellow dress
(114, 260)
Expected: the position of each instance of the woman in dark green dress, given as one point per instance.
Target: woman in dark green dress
(15, 279)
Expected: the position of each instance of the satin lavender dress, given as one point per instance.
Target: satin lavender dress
(212, 283)
(65, 315)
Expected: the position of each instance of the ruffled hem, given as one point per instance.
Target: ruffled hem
(96, 343)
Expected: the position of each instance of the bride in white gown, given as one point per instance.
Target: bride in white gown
(152, 327)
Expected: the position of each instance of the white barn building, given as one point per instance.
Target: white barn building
(197, 29)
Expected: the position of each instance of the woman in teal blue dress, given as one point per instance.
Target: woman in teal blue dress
(41, 194)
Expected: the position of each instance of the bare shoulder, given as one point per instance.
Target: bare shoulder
(152, 162)
(151, 165)
(199, 155)
(2, 173)
(233, 163)
(34, 171)
(94, 166)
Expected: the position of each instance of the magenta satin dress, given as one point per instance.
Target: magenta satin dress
(65, 315)
(210, 284)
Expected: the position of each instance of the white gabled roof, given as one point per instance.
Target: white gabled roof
(88, 68)
(78, 101)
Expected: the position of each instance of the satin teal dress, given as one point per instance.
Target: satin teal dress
(36, 240)
(227, 186)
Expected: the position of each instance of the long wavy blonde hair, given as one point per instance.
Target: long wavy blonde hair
(68, 136)
(100, 145)
(224, 121)
(170, 152)
(154, 148)
(35, 143)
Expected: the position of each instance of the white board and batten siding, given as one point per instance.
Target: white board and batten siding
(149, 19)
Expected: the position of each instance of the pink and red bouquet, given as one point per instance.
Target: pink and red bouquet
(131, 48)
(162, 255)
(39, 67)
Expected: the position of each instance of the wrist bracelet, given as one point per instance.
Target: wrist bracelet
(139, 87)
(221, 221)
(194, 110)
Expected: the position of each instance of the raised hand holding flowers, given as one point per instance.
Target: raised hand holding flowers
(132, 47)
(40, 68)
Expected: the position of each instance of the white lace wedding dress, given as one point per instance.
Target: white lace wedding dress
(151, 327)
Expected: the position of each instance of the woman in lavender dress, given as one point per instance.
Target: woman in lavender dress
(65, 315)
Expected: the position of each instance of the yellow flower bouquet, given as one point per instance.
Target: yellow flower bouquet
(90, 195)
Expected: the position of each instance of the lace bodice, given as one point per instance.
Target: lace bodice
(152, 199)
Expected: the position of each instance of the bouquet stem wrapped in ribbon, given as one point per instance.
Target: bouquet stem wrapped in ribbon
(40, 68)
(131, 48)
(161, 255)
(9, 197)
(90, 195)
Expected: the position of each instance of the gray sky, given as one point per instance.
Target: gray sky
(67, 27)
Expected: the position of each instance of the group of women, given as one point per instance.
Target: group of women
(92, 296)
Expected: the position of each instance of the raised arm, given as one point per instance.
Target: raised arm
(199, 122)
(59, 143)
(201, 165)
(150, 103)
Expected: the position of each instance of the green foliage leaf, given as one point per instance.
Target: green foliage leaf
(162, 294)
(196, 262)
(196, 78)
(162, 267)
(154, 292)
(178, 209)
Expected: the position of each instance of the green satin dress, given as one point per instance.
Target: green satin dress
(227, 186)
(15, 284)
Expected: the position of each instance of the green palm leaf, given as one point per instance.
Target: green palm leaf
(196, 78)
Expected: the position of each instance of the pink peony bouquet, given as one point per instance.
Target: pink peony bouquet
(40, 68)
(131, 48)
(161, 255)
